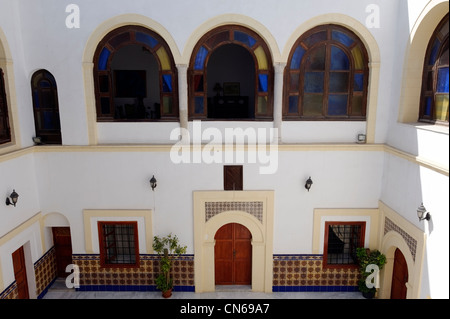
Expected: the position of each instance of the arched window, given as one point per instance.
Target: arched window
(135, 77)
(45, 107)
(435, 86)
(326, 77)
(5, 133)
(235, 93)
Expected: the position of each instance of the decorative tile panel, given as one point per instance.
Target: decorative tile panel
(306, 273)
(95, 277)
(411, 242)
(253, 208)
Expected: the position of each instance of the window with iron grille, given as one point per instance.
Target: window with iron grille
(341, 241)
(118, 244)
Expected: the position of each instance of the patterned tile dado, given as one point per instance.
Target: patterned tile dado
(306, 272)
(95, 277)
(45, 274)
(411, 242)
(253, 208)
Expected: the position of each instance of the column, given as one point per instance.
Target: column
(278, 97)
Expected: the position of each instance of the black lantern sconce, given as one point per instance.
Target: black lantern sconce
(308, 183)
(12, 199)
(153, 183)
(422, 213)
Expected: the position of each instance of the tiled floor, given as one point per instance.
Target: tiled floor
(58, 291)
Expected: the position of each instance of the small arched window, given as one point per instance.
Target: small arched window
(135, 77)
(5, 133)
(435, 83)
(326, 77)
(45, 107)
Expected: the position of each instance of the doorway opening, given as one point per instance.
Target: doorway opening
(233, 255)
(63, 249)
(399, 276)
(231, 83)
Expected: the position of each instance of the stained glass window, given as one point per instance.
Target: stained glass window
(327, 76)
(435, 80)
(262, 80)
(109, 108)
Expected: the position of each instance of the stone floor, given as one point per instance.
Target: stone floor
(59, 291)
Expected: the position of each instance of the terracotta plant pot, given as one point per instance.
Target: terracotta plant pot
(167, 293)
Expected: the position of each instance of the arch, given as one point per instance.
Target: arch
(326, 76)
(373, 53)
(89, 57)
(55, 220)
(258, 220)
(416, 48)
(391, 241)
(44, 94)
(197, 70)
(6, 66)
(231, 19)
(150, 42)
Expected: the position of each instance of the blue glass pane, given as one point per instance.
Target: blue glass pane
(442, 80)
(315, 60)
(434, 51)
(49, 123)
(337, 104)
(293, 104)
(427, 110)
(244, 38)
(146, 39)
(200, 58)
(338, 82)
(358, 84)
(297, 58)
(342, 38)
(45, 84)
(315, 38)
(263, 82)
(339, 60)
(313, 82)
(199, 104)
(103, 59)
(36, 99)
(167, 82)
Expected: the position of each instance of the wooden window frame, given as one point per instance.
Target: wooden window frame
(427, 69)
(300, 73)
(325, 246)
(48, 136)
(233, 173)
(112, 42)
(5, 136)
(102, 245)
(214, 39)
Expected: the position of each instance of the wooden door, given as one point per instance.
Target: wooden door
(233, 255)
(63, 249)
(399, 276)
(20, 273)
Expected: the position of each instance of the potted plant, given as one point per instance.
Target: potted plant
(167, 248)
(367, 257)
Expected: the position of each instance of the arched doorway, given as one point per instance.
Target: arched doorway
(201, 95)
(135, 77)
(233, 255)
(399, 276)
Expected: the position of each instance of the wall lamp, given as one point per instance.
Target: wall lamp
(308, 183)
(153, 183)
(12, 199)
(422, 213)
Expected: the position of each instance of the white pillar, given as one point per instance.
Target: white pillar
(183, 99)
(278, 97)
